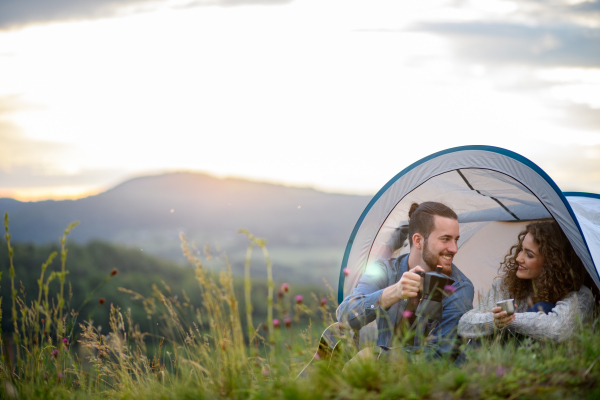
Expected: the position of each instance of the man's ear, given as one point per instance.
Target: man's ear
(418, 241)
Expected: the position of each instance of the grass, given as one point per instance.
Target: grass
(215, 350)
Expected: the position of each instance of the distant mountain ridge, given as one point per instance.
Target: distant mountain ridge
(150, 211)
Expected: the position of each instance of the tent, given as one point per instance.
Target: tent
(495, 193)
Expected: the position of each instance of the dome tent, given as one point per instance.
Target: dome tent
(494, 192)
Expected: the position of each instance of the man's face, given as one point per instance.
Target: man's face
(441, 245)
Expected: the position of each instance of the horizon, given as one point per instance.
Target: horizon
(337, 95)
(150, 174)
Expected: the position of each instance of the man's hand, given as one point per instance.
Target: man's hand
(408, 286)
(500, 318)
(410, 283)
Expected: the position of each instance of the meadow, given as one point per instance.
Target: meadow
(213, 344)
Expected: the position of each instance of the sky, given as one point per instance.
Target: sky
(339, 95)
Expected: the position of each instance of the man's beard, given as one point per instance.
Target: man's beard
(432, 260)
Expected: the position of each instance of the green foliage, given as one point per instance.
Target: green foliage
(196, 345)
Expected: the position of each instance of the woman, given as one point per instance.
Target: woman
(545, 277)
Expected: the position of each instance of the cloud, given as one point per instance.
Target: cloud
(511, 43)
(572, 167)
(19, 13)
(26, 176)
(579, 116)
(513, 48)
(559, 10)
(15, 13)
(234, 3)
(16, 149)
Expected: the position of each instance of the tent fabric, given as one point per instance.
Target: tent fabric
(587, 210)
(494, 192)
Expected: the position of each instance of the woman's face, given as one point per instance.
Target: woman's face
(530, 261)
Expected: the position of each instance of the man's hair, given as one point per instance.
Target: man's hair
(421, 218)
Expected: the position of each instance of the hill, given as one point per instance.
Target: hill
(307, 229)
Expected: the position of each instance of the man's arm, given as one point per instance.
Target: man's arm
(374, 293)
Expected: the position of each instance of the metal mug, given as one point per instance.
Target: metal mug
(507, 305)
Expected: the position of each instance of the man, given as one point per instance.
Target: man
(389, 291)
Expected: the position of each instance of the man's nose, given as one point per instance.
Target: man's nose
(453, 247)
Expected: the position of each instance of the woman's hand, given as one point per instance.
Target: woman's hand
(500, 317)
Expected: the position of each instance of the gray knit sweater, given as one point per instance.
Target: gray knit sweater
(558, 325)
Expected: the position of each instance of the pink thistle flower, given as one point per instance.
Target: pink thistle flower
(346, 272)
(265, 372)
(500, 371)
(280, 294)
(285, 287)
(407, 314)
(65, 340)
(54, 352)
(323, 302)
(317, 356)
(288, 322)
(299, 299)
(59, 375)
(276, 323)
(449, 289)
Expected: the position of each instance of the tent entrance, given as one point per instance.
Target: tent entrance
(492, 209)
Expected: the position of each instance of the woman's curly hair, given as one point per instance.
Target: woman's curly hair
(562, 272)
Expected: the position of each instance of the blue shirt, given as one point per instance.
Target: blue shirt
(362, 305)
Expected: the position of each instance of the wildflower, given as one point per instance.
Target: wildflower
(114, 272)
(101, 300)
(59, 375)
(285, 287)
(288, 322)
(65, 340)
(323, 302)
(280, 294)
(316, 356)
(407, 314)
(500, 371)
(54, 353)
(299, 299)
(276, 323)
(346, 272)
(265, 372)
(449, 289)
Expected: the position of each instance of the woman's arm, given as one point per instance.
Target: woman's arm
(480, 320)
(560, 323)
